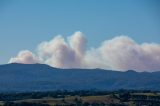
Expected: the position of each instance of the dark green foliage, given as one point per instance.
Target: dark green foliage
(124, 97)
(86, 104)
(78, 101)
(138, 97)
(24, 104)
(54, 94)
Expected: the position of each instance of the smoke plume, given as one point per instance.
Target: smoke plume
(120, 53)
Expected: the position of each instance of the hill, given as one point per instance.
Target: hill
(41, 77)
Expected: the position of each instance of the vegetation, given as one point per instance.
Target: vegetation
(82, 98)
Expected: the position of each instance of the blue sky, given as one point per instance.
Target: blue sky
(26, 23)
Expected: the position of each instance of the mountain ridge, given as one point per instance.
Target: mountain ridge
(40, 64)
(42, 77)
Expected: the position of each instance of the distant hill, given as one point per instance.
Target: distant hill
(41, 77)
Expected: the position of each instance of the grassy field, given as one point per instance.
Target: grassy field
(1, 103)
(110, 99)
(68, 100)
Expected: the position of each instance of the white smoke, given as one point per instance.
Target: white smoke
(59, 53)
(120, 53)
(25, 57)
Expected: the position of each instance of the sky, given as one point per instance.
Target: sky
(27, 24)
